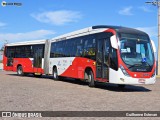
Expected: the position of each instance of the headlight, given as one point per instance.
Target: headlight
(124, 71)
(154, 73)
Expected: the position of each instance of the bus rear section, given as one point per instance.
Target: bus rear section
(24, 57)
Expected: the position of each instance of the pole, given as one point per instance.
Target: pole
(158, 37)
(157, 3)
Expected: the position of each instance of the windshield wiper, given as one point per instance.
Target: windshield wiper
(135, 65)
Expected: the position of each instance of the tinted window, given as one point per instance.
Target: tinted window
(76, 47)
(113, 59)
(10, 52)
(22, 51)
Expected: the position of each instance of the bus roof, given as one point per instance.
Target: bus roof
(78, 33)
(96, 29)
(27, 43)
(120, 29)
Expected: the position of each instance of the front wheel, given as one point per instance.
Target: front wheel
(20, 71)
(91, 79)
(55, 74)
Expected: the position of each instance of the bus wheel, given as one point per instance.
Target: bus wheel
(55, 74)
(20, 71)
(91, 79)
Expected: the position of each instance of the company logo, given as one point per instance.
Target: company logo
(140, 69)
(21, 114)
(4, 4)
(6, 114)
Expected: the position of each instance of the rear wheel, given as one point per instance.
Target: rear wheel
(55, 74)
(20, 71)
(91, 82)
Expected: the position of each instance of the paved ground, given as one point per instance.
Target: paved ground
(44, 94)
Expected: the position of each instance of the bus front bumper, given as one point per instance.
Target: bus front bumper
(117, 77)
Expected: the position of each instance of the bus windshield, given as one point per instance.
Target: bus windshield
(136, 52)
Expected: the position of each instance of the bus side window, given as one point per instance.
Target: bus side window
(79, 45)
(107, 51)
(113, 59)
(89, 48)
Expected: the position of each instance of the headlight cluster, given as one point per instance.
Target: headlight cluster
(124, 71)
(154, 73)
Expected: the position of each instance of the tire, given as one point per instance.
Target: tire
(91, 82)
(55, 74)
(121, 86)
(20, 71)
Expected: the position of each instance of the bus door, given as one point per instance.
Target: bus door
(10, 56)
(37, 58)
(102, 59)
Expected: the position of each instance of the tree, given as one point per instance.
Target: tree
(2, 48)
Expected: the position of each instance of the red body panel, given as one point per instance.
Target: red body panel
(76, 70)
(26, 64)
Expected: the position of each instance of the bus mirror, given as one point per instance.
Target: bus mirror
(113, 41)
(153, 46)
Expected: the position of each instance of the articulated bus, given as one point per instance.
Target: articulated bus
(110, 54)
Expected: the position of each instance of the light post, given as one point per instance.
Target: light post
(157, 4)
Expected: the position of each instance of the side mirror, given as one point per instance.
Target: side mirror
(114, 42)
(153, 46)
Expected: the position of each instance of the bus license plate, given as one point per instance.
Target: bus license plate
(142, 81)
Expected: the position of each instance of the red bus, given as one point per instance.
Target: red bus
(24, 57)
(110, 54)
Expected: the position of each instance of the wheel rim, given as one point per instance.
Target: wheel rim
(19, 71)
(55, 74)
(89, 77)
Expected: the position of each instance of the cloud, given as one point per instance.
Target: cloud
(152, 31)
(33, 35)
(2, 24)
(60, 17)
(126, 11)
(145, 9)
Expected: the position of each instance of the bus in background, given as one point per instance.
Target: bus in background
(25, 57)
(112, 54)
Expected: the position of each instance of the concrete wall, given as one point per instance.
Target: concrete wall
(1, 66)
